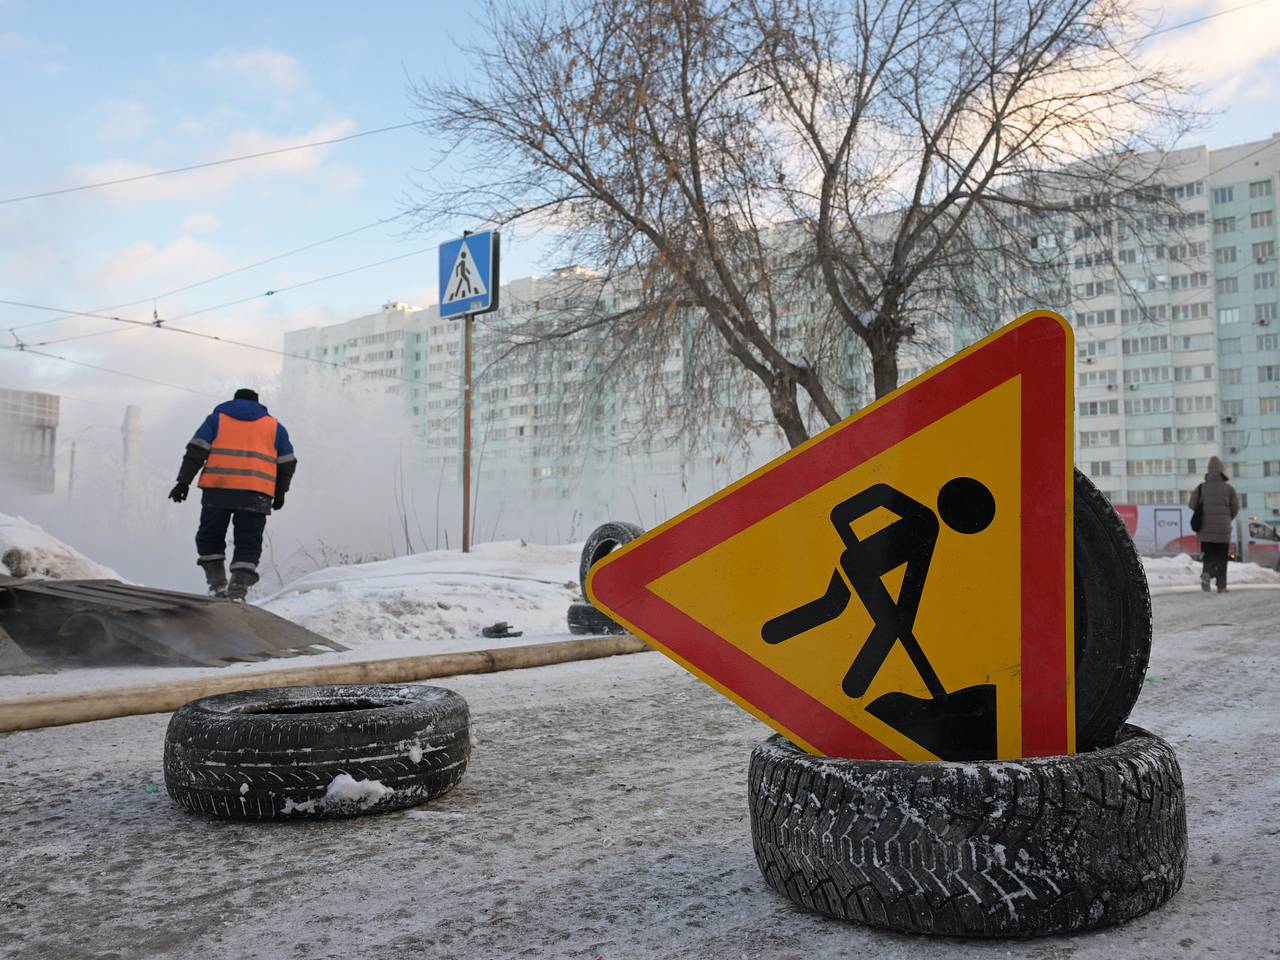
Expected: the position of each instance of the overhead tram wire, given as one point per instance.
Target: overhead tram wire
(216, 277)
(210, 163)
(118, 373)
(163, 322)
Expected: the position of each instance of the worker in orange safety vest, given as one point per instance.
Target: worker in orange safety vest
(246, 464)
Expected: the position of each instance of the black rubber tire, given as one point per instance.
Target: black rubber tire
(986, 849)
(1112, 619)
(273, 754)
(584, 619)
(604, 540)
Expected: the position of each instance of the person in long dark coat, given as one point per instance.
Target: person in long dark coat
(1220, 504)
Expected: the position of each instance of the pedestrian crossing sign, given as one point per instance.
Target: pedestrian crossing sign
(469, 274)
(897, 587)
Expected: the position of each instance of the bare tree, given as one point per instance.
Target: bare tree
(773, 183)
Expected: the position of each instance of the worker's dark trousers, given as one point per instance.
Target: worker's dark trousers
(211, 538)
(1215, 562)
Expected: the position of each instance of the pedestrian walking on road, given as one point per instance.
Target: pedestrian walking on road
(1218, 503)
(248, 464)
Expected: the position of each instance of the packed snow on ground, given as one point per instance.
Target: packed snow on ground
(28, 551)
(603, 814)
(438, 596)
(1182, 570)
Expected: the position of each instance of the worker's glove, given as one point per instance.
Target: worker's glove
(179, 492)
(278, 502)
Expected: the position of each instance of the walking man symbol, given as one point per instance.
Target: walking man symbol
(953, 726)
(462, 273)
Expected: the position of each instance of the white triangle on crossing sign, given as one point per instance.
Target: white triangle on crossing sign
(465, 282)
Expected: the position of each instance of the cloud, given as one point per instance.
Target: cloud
(199, 185)
(200, 223)
(1230, 55)
(122, 121)
(183, 260)
(273, 70)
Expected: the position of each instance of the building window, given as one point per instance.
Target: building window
(1099, 438)
(1139, 438)
(1269, 405)
(1197, 404)
(1196, 372)
(1099, 408)
(1269, 341)
(1224, 225)
(1271, 468)
(1264, 312)
(1269, 373)
(1196, 434)
(1264, 251)
(1233, 408)
(1223, 194)
(1228, 285)
(1262, 219)
(1225, 255)
(1230, 347)
(1271, 436)
(1231, 375)
(1259, 188)
(1264, 281)
(1099, 468)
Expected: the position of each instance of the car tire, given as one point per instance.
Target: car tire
(311, 752)
(586, 620)
(604, 540)
(982, 849)
(1112, 619)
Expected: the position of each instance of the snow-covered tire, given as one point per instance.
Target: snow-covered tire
(604, 540)
(586, 620)
(987, 849)
(1112, 619)
(290, 753)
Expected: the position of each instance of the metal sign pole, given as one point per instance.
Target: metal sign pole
(467, 320)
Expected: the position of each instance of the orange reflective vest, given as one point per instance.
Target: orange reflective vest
(243, 456)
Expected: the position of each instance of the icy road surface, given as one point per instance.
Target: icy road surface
(603, 815)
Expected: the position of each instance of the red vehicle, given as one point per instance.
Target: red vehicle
(1163, 531)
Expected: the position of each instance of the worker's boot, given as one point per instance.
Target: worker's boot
(242, 579)
(215, 576)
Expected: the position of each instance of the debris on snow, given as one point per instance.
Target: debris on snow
(27, 551)
(440, 595)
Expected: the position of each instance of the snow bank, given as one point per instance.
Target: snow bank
(27, 551)
(439, 595)
(1183, 571)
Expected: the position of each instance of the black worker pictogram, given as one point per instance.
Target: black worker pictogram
(959, 725)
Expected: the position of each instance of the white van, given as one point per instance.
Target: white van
(1164, 531)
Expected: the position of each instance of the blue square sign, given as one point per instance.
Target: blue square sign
(469, 274)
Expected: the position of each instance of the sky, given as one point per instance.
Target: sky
(98, 91)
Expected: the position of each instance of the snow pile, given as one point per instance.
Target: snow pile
(27, 551)
(344, 790)
(441, 595)
(1182, 570)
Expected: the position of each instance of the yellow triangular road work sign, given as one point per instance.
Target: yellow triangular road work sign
(900, 585)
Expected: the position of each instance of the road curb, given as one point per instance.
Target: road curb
(1195, 588)
(56, 709)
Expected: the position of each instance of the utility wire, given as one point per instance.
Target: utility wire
(220, 276)
(1210, 16)
(192, 313)
(209, 163)
(118, 373)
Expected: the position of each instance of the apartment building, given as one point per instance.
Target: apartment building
(1178, 357)
(1177, 338)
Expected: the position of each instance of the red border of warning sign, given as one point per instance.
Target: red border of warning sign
(1037, 346)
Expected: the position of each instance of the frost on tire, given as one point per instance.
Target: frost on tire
(309, 752)
(584, 619)
(993, 849)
